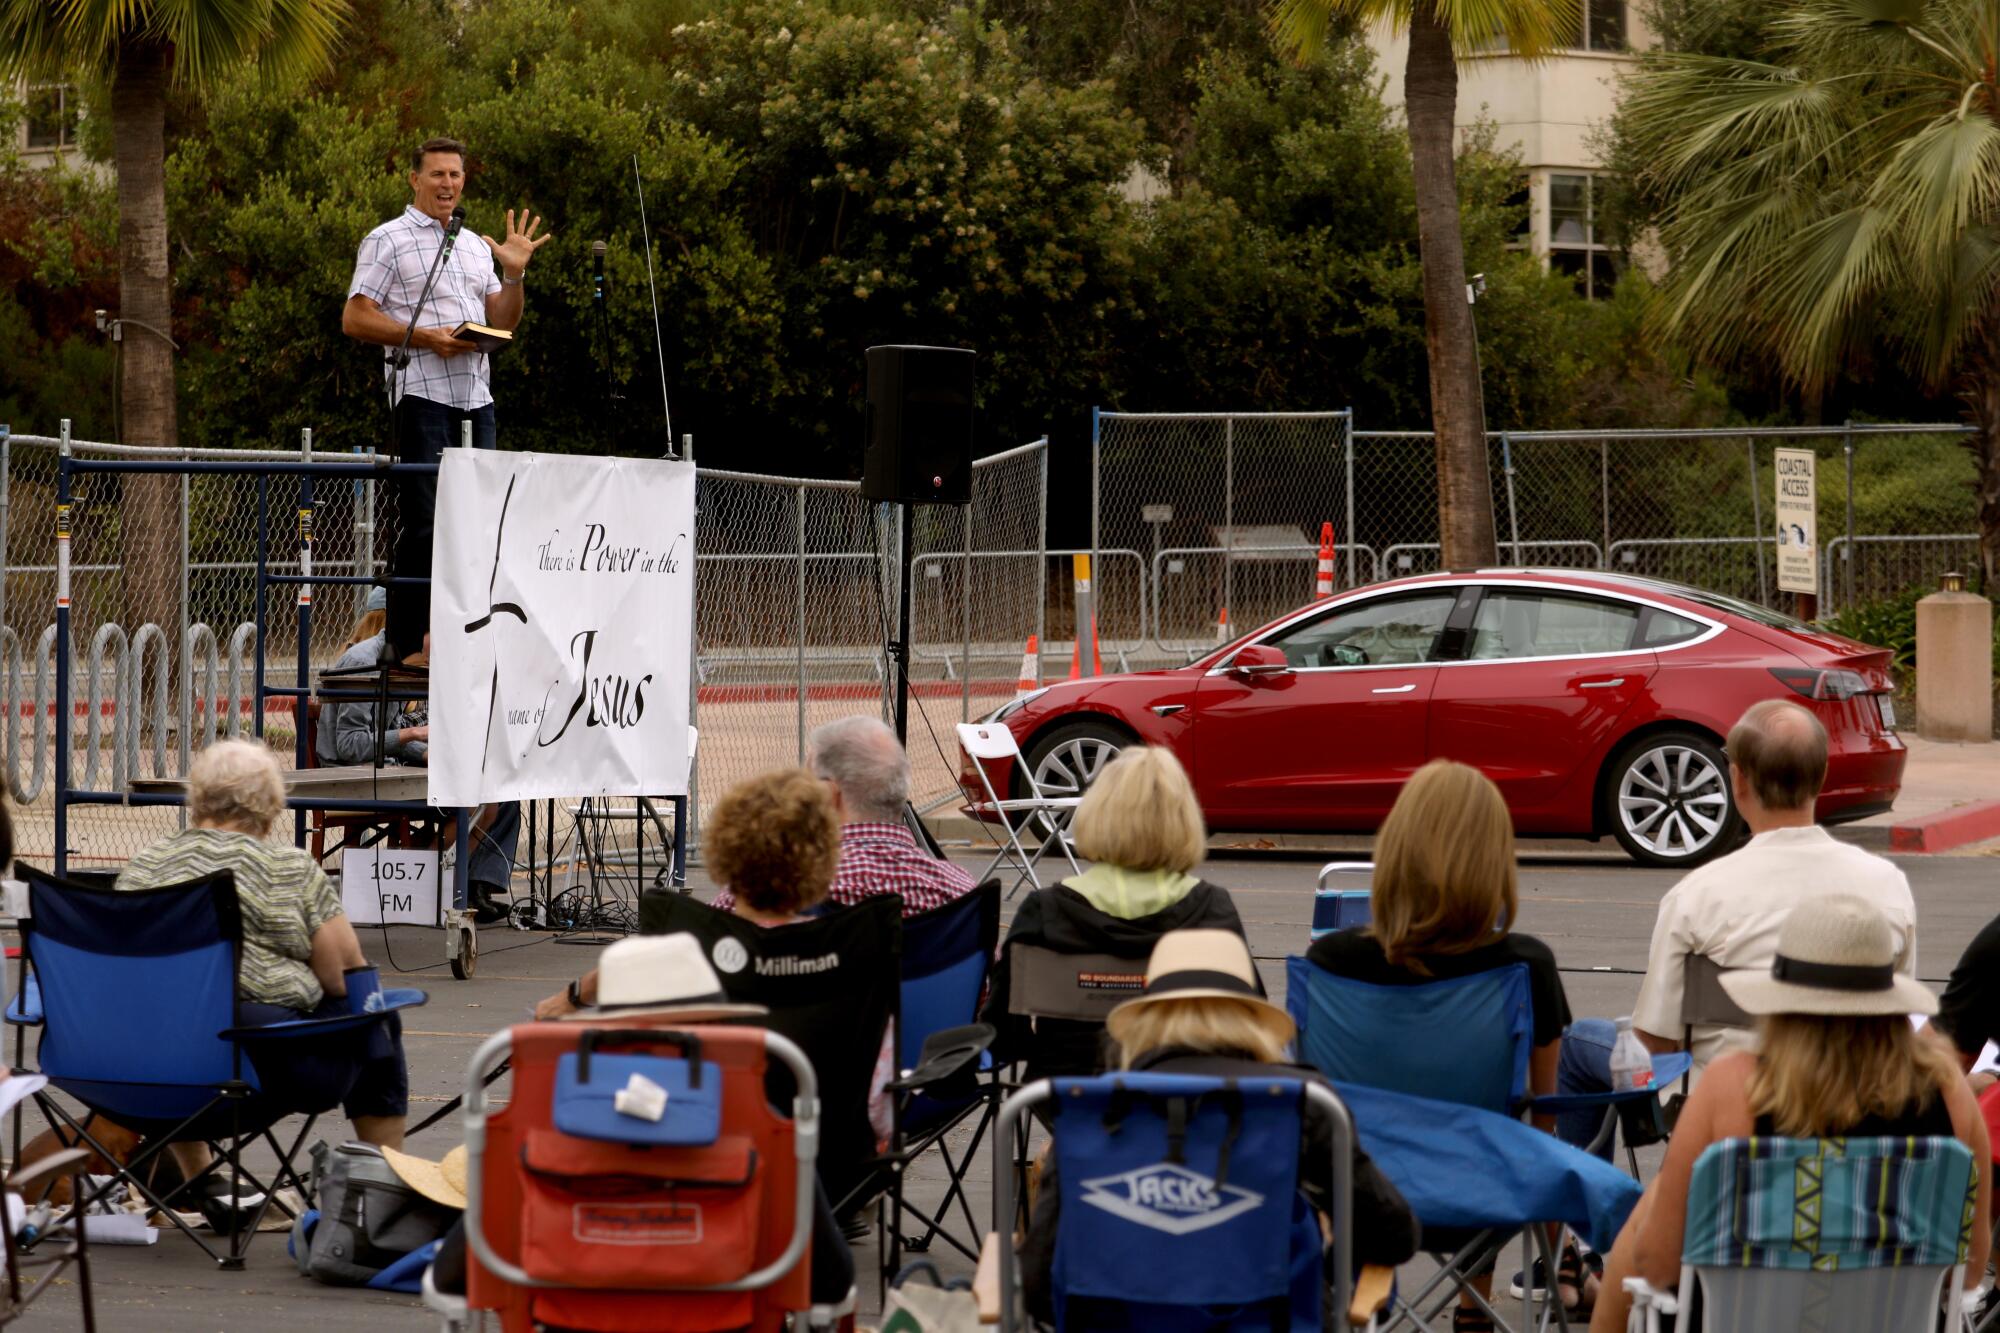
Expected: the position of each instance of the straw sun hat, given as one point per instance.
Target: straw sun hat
(1202, 965)
(1836, 956)
(661, 975)
(440, 1182)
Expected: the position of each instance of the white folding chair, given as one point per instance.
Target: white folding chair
(983, 741)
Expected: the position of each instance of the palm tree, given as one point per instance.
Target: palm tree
(1439, 30)
(1843, 194)
(144, 47)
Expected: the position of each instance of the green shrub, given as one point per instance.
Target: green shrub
(1891, 622)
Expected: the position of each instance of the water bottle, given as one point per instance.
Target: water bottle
(1631, 1062)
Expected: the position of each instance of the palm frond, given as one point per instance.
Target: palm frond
(31, 40)
(1940, 181)
(1844, 190)
(285, 38)
(304, 36)
(1530, 28)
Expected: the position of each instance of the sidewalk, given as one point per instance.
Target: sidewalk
(1946, 783)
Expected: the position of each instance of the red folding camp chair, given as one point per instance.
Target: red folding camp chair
(578, 1216)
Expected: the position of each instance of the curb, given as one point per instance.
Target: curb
(1962, 824)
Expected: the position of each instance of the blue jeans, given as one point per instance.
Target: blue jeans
(424, 430)
(491, 857)
(1584, 1065)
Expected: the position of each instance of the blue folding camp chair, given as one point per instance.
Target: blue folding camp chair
(1180, 1204)
(946, 1069)
(135, 994)
(1833, 1235)
(1344, 899)
(1461, 1040)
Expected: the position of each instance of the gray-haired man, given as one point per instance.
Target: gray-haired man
(864, 764)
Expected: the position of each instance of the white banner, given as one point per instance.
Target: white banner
(1798, 527)
(560, 601)
(382, 886)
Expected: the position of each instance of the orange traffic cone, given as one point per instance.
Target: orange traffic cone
(1076, 655)
(1324, 587)
(1222, 625)
(1030, 668)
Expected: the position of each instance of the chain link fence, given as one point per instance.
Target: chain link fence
(1215, 510)
(794, 585)
(1192, 515)
(1218, 518)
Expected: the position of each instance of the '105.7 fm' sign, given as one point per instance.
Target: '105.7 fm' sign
(382, 886)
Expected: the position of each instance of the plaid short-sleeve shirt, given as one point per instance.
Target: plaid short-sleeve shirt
(284, 898)
(390, 271)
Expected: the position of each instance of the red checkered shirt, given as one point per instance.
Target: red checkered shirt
(884, 858)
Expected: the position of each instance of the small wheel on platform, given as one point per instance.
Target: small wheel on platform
(465, 958)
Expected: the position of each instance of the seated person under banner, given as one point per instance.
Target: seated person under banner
(298, 944)
(356, 731)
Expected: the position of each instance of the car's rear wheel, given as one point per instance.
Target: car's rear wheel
(1068, 759)
(1668, 801)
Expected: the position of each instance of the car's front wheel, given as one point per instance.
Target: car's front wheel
(1068, 758)
(1668, 800)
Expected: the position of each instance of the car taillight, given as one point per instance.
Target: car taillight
(1811, 684)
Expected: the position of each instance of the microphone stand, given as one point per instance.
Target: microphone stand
(401, 359)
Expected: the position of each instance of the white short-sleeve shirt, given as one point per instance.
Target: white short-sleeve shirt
(1731, 909)
(390, 270)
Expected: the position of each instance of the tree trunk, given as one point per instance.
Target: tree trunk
(1465, 488)
(149, 515)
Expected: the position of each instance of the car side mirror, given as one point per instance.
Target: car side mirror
(1259, 659)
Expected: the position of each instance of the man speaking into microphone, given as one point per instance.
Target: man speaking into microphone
(413, 286)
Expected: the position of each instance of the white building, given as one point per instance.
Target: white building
(1550, 112)
(47, 134)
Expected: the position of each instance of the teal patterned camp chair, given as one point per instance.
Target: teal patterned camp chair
(1822, 1236)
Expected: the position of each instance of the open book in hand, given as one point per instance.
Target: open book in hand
(483, 336)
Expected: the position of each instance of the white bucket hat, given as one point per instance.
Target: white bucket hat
(1836, 956)
(660, 974)
(1202, 965)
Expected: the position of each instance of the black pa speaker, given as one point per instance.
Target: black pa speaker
(919, 421)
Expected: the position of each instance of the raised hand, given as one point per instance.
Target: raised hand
(520, 245)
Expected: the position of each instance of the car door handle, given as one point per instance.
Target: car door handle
(1394, 689)
(1611, 684)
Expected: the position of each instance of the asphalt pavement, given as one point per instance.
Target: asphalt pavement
(1594, 909)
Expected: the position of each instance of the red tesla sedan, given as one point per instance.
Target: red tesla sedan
(1597, 702)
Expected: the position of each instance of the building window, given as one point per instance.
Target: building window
(1603, 26)
(1574, 245)
(52, 115)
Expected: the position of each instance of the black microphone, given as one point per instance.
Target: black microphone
(451, 228)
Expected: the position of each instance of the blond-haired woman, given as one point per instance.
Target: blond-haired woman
(1141, 826)
(1203, 1014)
(1836, 1057)
(1443, 904)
